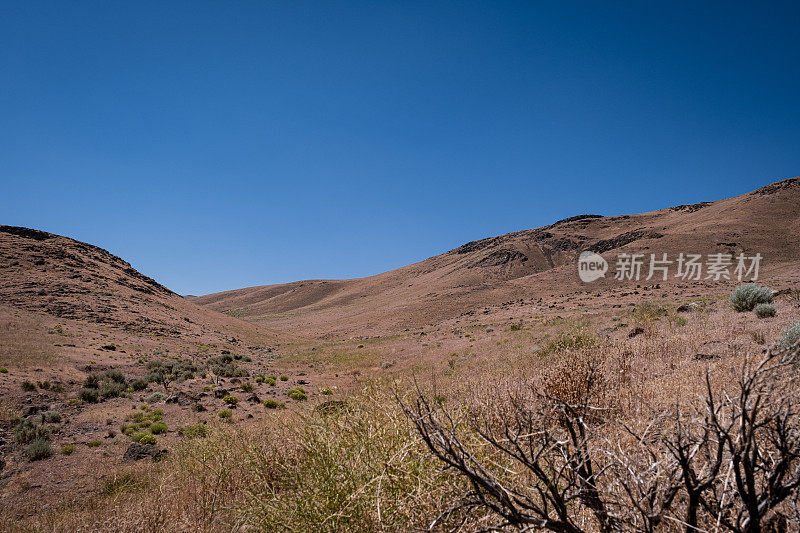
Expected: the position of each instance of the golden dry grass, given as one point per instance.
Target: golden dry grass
(365, 469)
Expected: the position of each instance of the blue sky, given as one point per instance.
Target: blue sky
(217, 145)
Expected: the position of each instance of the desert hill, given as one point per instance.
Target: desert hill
(56, 276)
(533, 263)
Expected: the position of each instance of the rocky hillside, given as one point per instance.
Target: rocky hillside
(533, 263)
(48, 274)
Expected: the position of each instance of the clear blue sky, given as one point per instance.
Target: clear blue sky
(216, 145)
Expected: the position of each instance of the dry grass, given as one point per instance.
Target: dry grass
(25, 343)
(364, 468)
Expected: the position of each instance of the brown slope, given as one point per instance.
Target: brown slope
(531, 263)
(51, 275)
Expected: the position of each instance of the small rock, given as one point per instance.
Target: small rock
(137, 451)
(219, 392)
(635, 331)
(33, 409)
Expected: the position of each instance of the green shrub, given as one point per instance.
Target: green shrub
(139, 436)
(746, 297)
(28, 386)
(111, 389)
(284, 378)
(51, 417)
(326, 391)
(139, 385)
(94, 444)
(92, 381)
(114, 375)
(3, 370)
(270, 380)
(38, 449)
(224, 366)
(790, 336)
(67, 449)
(225, 414)
(158, 428)
(230, 399)
(247, 387)
(194, 431)
(259, 379)
(28, 431)
(89, 395)
(156, 397)
(273, 404)
(147, 438)
(44, 385)
(764, 310)
(166, 371)
(297, 393)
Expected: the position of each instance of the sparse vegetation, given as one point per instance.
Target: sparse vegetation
(164, 372)
(195, 431)
(141, 436)
(51, 417)
(29, 430)
(790, 337)
(764, 310)
(38, 449)
(89, 395)
(67, 449)
(158, 428)
(746, 297)
(139, 385)
(298, 394)
(225, 414)
(649, 312)
(567, 342)
(273, 404)
(230, 399)
(156, 397)
(224, 366)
